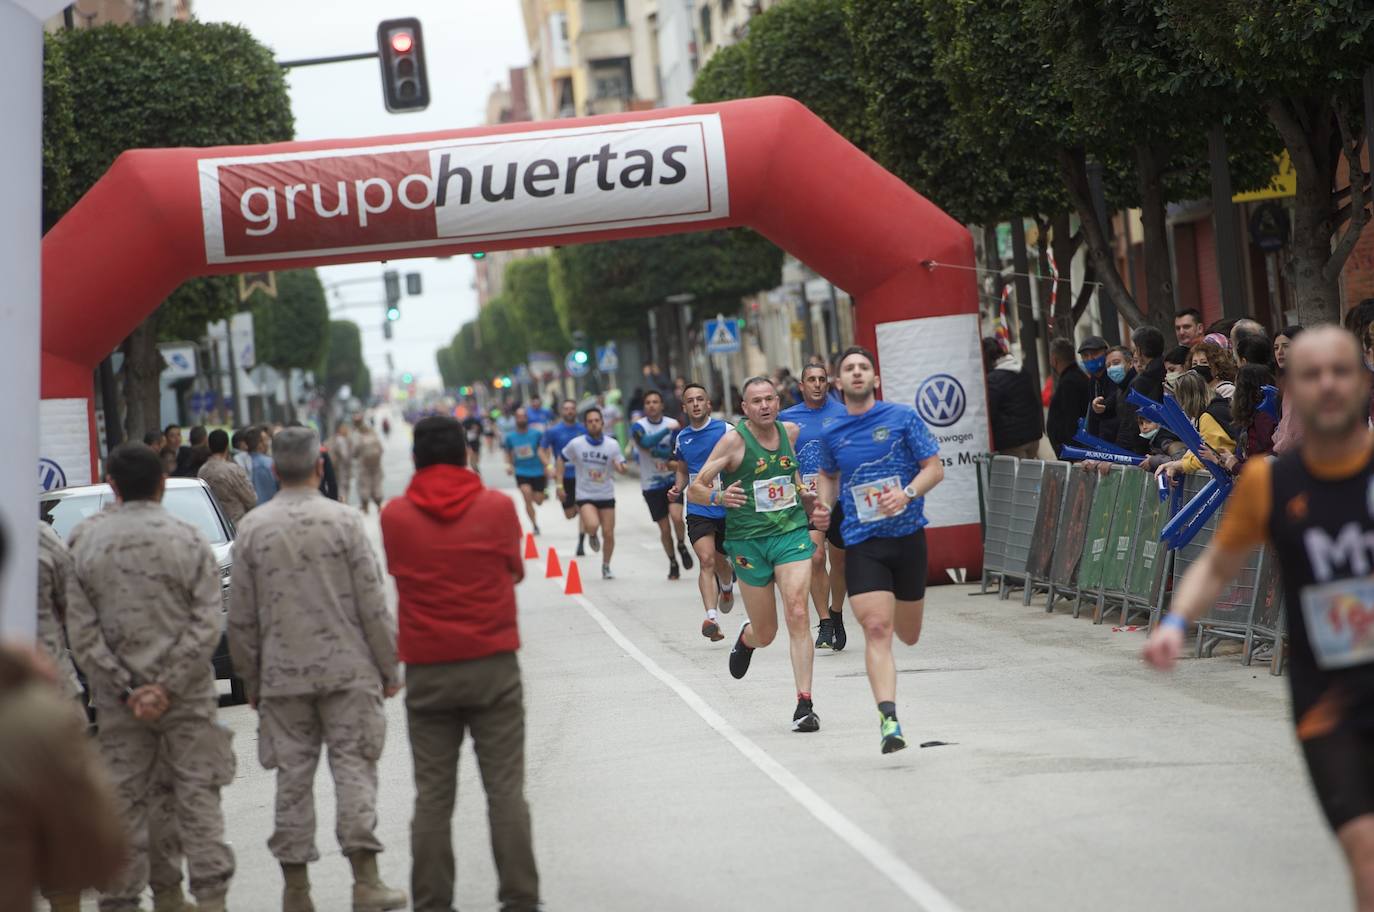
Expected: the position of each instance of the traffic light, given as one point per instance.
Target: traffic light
(401, 47)
(479, 255)
(581, 356)
(412, 283)
(392, 279)
(393, 313)
(386, 331)
(407, 378)
(505, 382)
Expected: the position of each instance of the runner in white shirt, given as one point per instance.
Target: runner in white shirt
(594, 456)
(654, 437)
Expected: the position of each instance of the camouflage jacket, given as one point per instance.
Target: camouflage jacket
(54, 569)
(231, 487)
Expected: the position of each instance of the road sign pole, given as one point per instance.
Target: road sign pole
(728, 399)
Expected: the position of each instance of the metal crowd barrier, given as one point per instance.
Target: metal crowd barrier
(1077, 534)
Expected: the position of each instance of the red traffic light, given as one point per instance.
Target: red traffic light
(402, 42)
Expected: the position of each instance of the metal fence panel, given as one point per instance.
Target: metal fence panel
(1122, 544)
(1024, 507)
(1100, 518)
(1052, 484)
(1001, 482)
(1148, 567)
(1073, 526)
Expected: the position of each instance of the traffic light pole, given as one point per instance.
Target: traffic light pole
(320, 61)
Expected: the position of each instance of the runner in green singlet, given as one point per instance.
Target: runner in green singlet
(765, 534)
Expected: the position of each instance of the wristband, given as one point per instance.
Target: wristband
(711, 499)
(1175, 621)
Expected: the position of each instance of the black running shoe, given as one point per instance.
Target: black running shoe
(841, 638)
(686, 554)
(741, 655)
(673, 572)
(805, 718)
(581, 550)
(825, 637)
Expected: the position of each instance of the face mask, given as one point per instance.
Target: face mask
(1149, 435)
(1117, 372)
(1093, 365)
(1172, 377)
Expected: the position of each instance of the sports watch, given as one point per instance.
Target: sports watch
(910, 491)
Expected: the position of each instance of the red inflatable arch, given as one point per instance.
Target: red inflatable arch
(161, 216)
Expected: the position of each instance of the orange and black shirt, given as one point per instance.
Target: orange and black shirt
(1320, 520)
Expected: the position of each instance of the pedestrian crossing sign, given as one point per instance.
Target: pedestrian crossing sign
(722, 336)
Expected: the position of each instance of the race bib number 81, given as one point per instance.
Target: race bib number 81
(773, 494)
(867, 494)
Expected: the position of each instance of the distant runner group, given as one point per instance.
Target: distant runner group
(820, 501)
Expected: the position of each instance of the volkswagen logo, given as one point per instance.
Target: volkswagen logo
(50, 475)
(940, 400)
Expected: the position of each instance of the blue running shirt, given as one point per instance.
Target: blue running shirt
(540, 418)
(882, 447)
(559, 435)
(524, 449)
(812, 421)
(694, 446)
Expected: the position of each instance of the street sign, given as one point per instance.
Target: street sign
(522, 374)
(722, 336)
(607, 358)
(543, 365)
(575, 367)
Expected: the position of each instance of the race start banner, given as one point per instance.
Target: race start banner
(438, 193)
(936, 365)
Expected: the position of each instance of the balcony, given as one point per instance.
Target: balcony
(600, 44)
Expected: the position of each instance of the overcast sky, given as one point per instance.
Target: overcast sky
(469, 45)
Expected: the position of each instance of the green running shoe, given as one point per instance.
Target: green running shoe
(892, 735)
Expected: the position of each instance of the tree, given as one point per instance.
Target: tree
(292, 329)
(724, 76)
(447, 362)
(531, 301)
(468, 361)
(501, 335)
(343, 364)
(114, 88)
(1302, 65)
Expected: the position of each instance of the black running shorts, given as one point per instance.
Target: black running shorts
(536, 483)
(657, 500)
(1341, 765)
(569, 492)
(832, 534)
(599, 504)
(702, 526)
(896, 565)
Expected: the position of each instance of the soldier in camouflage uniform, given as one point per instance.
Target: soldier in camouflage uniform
(54, 569)
(311, 637)
(227, 480)
(367, 462)
(143, 607)
(341, 451)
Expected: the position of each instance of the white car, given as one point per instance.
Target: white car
(188, 499)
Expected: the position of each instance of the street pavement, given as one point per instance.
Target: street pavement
(1071, 776)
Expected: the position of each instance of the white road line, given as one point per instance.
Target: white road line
(916, 887)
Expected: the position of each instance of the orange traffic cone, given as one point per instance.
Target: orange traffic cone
(531, 552)
(555, 568)
(574, 585)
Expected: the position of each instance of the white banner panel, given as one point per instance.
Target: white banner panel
(64, 444)
(935, 364)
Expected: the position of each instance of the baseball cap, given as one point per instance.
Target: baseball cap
(1093, 343)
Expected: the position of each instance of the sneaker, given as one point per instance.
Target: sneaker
(805, 718)
(606, 572)
(892, 735)
(686, 554)
(536, 529)
(595, 541)
(741, 655)
(825, 637)
(711, 630)
(727, 599)
(581, 551)
(673, 572)
(837, 623)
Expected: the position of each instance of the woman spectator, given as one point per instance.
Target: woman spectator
(1208, 353)
(1175, 363)
(1254, 349)
(1255, 430)
(1281, 343)
(1212, 423)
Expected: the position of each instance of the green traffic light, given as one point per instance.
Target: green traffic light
(407, 378)
(580, 357)
(393, 314)
(478, 255)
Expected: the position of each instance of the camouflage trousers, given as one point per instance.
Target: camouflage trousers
(291, 731)
(164, 839)
(197, 752)
(370, 485)
(344, 477)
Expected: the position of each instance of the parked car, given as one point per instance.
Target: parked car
(188, 499)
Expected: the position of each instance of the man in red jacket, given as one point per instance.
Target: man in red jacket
(454, 548)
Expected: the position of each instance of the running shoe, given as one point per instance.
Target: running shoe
(536, 529)
(673, 572)
(711, 630)
(727, 599)
(606, 572)
(686, 554)
(805, 718)
(892, 735)
(595, 541)
(581, 551)
(825, 637)
(841, 638)
(741, 655)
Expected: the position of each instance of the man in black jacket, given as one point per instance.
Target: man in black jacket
(1013, 404)
(1092, 357)
(1073, 394)
(1148, 345)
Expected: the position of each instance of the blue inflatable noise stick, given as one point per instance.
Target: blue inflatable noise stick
(1075, 454)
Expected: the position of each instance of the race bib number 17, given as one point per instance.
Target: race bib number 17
(867, 494)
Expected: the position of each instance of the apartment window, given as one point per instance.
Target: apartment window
(705, 24)
(726, 6)
(564, 91)
(598, 15)
(611, 78)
